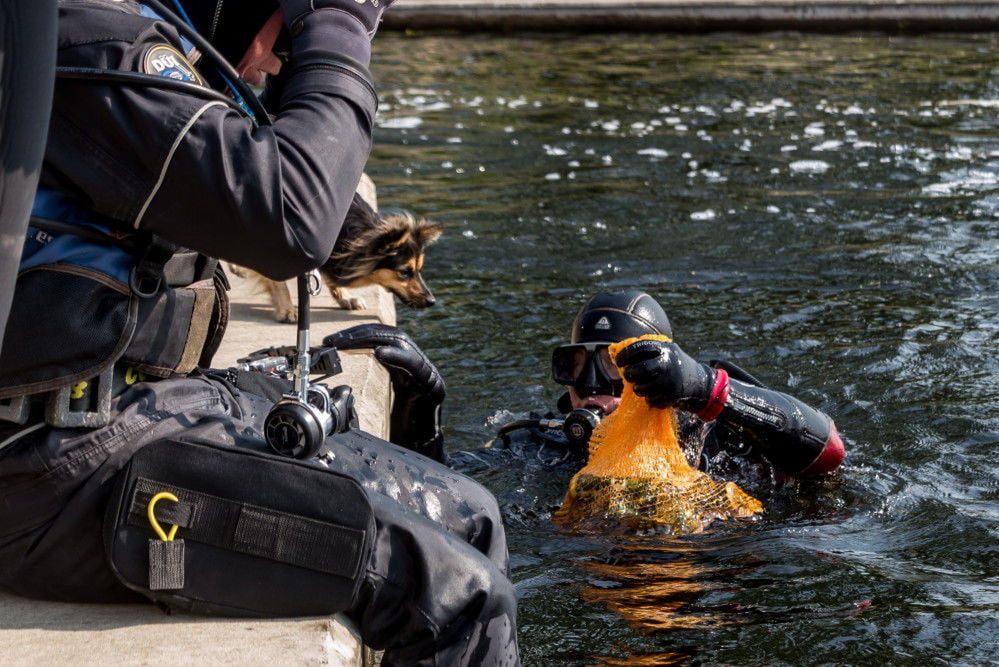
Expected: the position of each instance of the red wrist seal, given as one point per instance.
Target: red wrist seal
(829, 458)
(718, 399)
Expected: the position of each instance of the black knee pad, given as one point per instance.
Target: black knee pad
(257, 535)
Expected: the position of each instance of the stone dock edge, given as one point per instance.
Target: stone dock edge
(912, 16)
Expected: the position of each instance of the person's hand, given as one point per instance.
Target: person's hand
(666, 376)
(410, 369)
(419, 387)
(367, 12)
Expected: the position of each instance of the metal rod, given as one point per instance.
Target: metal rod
(304, 363)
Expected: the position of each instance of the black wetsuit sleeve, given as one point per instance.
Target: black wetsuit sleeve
(272, 198)
(796, 438)
(197, 172)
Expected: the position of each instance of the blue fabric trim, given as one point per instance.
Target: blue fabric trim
(41, 247)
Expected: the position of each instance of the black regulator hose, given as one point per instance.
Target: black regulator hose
(210, 52)
(517, 425)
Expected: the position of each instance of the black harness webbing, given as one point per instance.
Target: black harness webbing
(249, 529)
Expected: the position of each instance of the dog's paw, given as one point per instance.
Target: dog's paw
(237, 270)
(287, 315)
(353, 303)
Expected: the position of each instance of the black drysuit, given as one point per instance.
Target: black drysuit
(27, 54)
(194, 171)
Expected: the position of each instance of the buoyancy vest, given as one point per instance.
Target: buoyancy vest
(92, 290)
(88, 296)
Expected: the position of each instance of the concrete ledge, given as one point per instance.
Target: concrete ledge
(34, 632)
(907, 16)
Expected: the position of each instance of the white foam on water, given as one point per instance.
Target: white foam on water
(468, 234)
(553, 176)
(591, 104)
(759, 109)
(815, 130)
(554, 150)
(772, 209)
(708, 214)
(654, 152)
(401, 123)
(788, 148)
(809, 167)
(988, 104)
(959, 153)
(830, 145)
(964, 181)
(453, 140)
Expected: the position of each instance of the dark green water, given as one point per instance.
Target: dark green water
(824, 211)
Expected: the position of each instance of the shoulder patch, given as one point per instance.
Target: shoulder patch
(165, 60)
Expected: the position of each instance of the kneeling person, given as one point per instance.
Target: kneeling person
(112, 318)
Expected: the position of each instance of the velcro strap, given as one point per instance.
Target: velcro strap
(245, 528)
(719, 397)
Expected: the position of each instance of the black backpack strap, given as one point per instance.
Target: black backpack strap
(147, 276)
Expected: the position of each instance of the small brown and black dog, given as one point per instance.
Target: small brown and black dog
(371, 250)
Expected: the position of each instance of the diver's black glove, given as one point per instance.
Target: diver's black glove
(666, 376)
(366, 12)
(343, 27)
(419, 387)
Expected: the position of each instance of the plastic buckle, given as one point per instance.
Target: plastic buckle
(82, 405)
(15, 409)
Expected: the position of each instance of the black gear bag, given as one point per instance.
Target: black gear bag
(256, 534)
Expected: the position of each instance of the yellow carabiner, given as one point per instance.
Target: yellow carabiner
(152, 516)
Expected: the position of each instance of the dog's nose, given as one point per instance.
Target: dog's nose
(431, 300)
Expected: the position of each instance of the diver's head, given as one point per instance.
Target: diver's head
(244, 31)
(584, 364)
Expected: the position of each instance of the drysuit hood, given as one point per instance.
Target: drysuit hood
(613, 316)
(230, 25)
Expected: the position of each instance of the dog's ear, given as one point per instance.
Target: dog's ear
(428, 232)
(390, 238)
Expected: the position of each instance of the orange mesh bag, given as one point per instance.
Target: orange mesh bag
(638, 477)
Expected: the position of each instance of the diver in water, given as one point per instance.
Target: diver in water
(730, 423)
